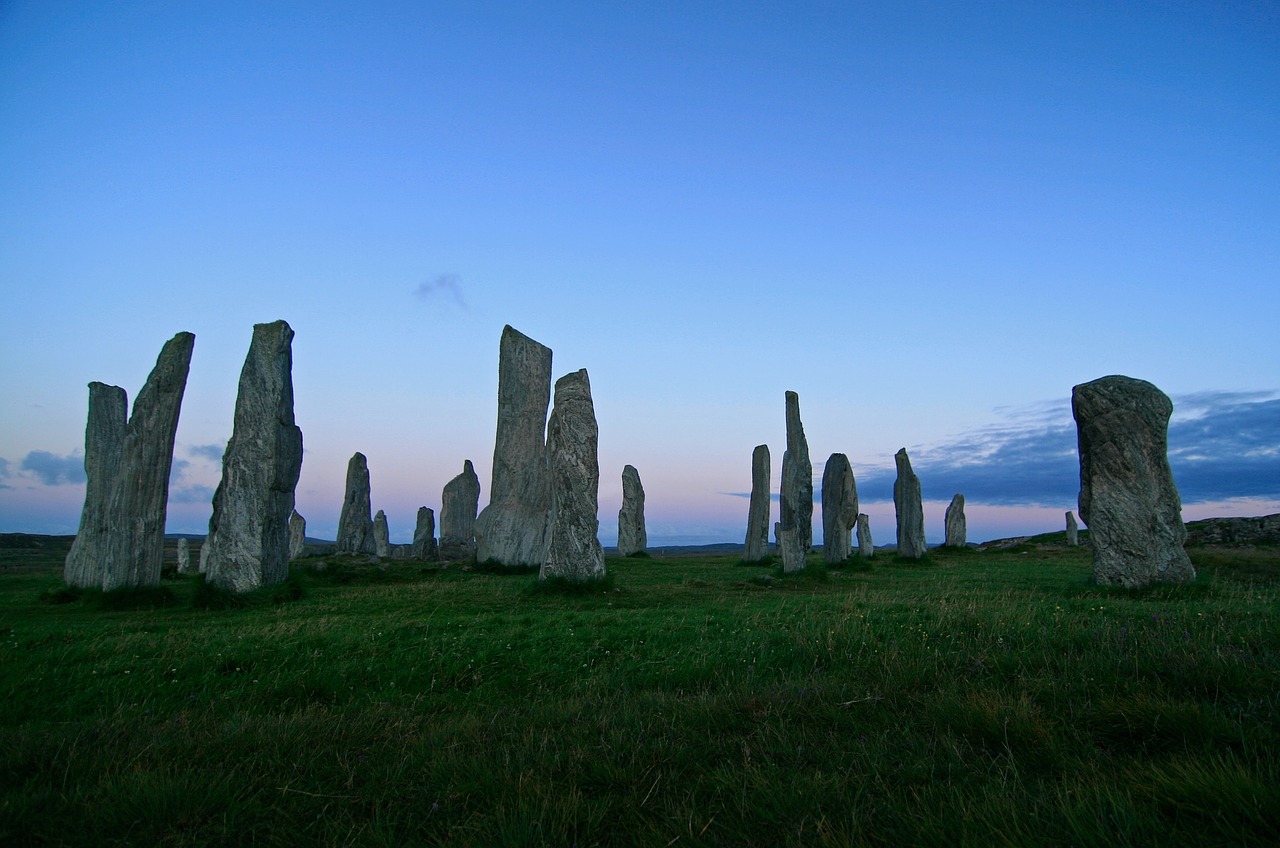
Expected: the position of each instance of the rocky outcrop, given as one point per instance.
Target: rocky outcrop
(458, 506)
(103, 442)
(134, 553)
(839, 508)
(796, 500)
(381, 535)
(1128, 499)
(249, 528)
(355, 522)
(866, 547)
(297, 535)
(632, 538)
(909, 509)
(1073, 530)
(511, 530)
(573, 549)
(756, 547)
(424, 536)
(1264, 530)
(956, 527)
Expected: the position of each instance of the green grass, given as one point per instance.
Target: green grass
(974, 699)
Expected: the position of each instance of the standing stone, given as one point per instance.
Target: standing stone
(381, 536)
(249, 528)
(184, 556)
(355, 522)
(573, 544)
(424, 535)
(1073, 530)
(757, 544)
(908, 508)
(458, 506)
(796, 502)
(511, 530)
(792, 553)
(103, 441)
(205, 547)
(134, 553)
(866, 547)
(297, 535)
(1128, 498)
(956, 528)
(632, 538)
(839, 507)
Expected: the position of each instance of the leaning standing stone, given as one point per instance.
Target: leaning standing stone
(249, 528)
(511, 530)
(839, 507)
(103, 442)
(1073, 530)
(355, 522)
(757, 544)
(381, 536)
(184, 556)
(140, 496)
(1128, 498)
(909, 509)
(796, 501)
(866, 547)
(632, 538)
(573, 544)
(297, 535)
(458, 505)
(424, 535)
(956, 528)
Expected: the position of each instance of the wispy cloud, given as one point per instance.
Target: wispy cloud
(191, 494)
(442, 285)
(53, 470)
(212, 452)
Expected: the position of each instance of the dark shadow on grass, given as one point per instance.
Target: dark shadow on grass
(210, 597)
(136, 598)
(1203, 587)
(564, 587)
(492, 566)
(767, 561)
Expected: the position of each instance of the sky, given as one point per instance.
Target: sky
(930, 220)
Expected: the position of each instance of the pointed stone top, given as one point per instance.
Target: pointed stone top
(903, 461)
(380, 514)
(467, 467)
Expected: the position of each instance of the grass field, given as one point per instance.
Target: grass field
(976, 699)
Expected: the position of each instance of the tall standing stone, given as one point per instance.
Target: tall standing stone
(355, 522)
(103, 441)
(573, 543)
(249, 528)
(297, 535)
(756, 547)
(458, 505)
(512, 529)
(839, 507)
(909, 509)
(1073, 530)
(632, 538)
(424, 535)
(866, 547)
(789, 547)
(1128, 498)
(381, 535)
(796, 501)
(134, 554)
(954, 522)
(184, 556)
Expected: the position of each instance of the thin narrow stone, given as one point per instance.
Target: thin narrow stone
(866, 547)
(632, 538)
(381, 535)
(355, 522)
(756, 547)
(956, 527)
(909, 509)
(1073, 530)
(103, 442)
(573, 544)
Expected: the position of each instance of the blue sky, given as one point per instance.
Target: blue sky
(929, 220)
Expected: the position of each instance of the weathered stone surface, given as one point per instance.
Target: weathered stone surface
(381, 535)
(103, 442)
(512, 529)
(632, 538)
(297, 535)
(956, 528)
(1128, 499)
(205, 547)
(184, 557)
(839, 507)
(401, 551)
(134, 554)
(756, 547)
(796, 499)
(909, 509)
(1073, 530)
(249, 528)
(573, 544)
(424, 536)
(866, 547)
(791, 551)
(355, 522)
(458, 506)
